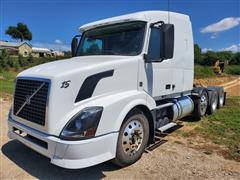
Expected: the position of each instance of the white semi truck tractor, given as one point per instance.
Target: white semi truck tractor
(129, 76)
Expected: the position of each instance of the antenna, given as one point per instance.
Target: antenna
(168, 2)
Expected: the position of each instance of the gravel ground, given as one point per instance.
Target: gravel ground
(171, 160)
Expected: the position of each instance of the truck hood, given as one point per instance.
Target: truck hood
(73, 65)
(84, 74)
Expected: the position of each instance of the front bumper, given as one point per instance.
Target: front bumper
(66, 154)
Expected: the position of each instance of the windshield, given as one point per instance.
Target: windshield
(120, 39)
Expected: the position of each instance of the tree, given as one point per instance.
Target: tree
(210, 58)
(235, 59)
(225, 56)
(3, 60)
(197, 54)
(22, 61)
(19, 32)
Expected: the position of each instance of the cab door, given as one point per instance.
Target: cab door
(158, 66)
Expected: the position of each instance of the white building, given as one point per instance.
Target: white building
(41, 52)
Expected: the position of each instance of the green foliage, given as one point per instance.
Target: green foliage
(30, 59)
(19, 32)
(9, 75)
(3, 60)
(22, 61)
(210, 57)
(19, 62)
(197, 54)
(7, 83)
(233, 69)
(203, 72)
(235, 59)
(206, 71)
(225, 55)
(6, 86)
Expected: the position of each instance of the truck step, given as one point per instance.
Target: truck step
(167, 126)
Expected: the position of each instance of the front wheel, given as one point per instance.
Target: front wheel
(133, 138)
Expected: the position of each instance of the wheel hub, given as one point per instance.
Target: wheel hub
(203, 104)
(132, 137)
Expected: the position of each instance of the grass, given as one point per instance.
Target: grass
(206, 71)
(7, 81)
(222, 128)
(6, 87)
(233, 69)
(203, 72)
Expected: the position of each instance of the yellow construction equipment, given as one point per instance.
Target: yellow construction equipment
(218, 67)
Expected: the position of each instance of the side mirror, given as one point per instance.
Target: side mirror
(74, 45)
(167, 41)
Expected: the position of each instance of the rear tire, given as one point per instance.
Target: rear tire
(200, 105)
(212, 107)
(132, 139)
(221, 98)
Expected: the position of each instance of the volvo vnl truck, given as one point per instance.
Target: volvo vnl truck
(129, 76)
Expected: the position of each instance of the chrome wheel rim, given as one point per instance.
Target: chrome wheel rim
(203, 104)
(132, 137)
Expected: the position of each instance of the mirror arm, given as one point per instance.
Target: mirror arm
(78, 35)
(158, 22)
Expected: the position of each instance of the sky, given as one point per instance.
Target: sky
(53, 23)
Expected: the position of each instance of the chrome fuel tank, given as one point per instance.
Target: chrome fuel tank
(182, 107)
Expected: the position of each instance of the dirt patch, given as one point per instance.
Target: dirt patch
(200, 143)
(233, 91)
(5, 97)
(231, 84)
(216, 81)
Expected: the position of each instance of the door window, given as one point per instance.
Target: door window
(154, 44)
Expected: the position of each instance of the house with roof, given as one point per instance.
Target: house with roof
(41, 52)
(16, 48)
(26, 49)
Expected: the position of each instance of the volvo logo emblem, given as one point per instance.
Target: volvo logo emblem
(28, 100)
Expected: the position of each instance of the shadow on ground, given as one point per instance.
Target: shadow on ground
(41, 168)
(190, 119)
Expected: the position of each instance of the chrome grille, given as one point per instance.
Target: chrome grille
(30, 99)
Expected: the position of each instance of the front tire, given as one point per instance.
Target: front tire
(132, 139)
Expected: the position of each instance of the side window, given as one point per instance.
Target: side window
(154, 44)
(92, 46)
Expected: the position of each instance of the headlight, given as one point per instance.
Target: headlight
(82, 125)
